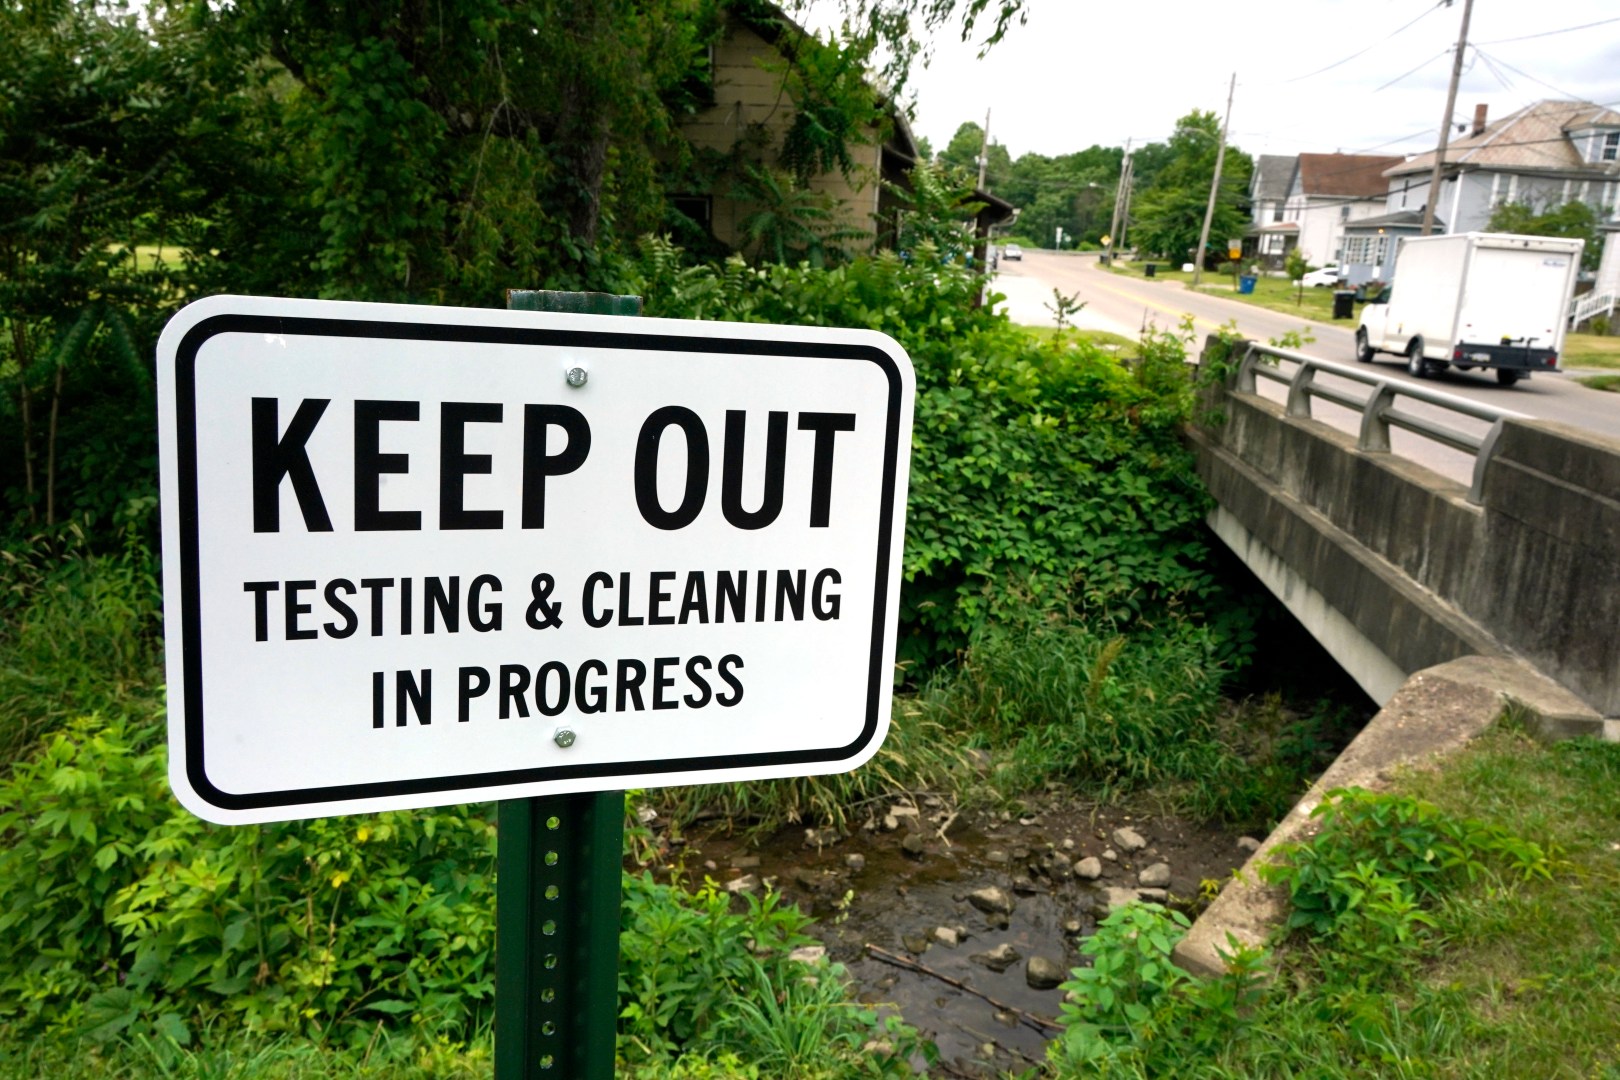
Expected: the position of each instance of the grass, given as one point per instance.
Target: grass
(1517, 976)
(1592, 351)
(1273, 293)
(1610, 383)
(1116, 343)
(77, 634)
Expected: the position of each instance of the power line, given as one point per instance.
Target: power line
(1548, 33)
(1414, 71)
(1526, 74)
(1363, 52)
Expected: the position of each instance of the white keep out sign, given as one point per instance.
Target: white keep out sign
(416, 556)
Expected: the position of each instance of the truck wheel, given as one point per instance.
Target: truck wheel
(1364, 349)
(1506, 377)
(1415, 363)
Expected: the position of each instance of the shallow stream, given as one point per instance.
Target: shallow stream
(867, 889)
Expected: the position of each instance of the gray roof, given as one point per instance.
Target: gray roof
(1272, 175)
(1535, 137)
(1400, 219)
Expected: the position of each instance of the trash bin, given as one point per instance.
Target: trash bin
(1344, 303)
(1246, 284)
(1149, 269)
(1105, 260)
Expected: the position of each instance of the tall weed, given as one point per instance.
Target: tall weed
(79, 631)
(1105, 711)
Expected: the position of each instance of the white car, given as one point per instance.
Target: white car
(1327, 275)
(1012, 251)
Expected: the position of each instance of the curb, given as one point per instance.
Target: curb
(1436, 711)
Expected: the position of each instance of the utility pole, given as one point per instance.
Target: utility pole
(1125, 211)
(1119, 201)
(1214, 186)
(1445, 123)
(984, 149)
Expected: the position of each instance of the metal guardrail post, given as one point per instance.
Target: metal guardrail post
(1245, 371)
(1482, 459)
(557, 890)
(1299, 391)
(1374, 435)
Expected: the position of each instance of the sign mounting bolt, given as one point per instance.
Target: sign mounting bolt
(564, 737)
(577, 377)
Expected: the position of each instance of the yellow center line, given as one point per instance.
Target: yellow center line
(1149, 302)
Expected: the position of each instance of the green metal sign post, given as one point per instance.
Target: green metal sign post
(558, 890)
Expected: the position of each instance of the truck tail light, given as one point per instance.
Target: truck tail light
(1456, 354)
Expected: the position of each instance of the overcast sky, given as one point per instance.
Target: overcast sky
(1102, 71)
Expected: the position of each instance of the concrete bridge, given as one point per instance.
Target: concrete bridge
(1392, 566)
(1447, 602)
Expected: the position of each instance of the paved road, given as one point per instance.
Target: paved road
(1123, 305)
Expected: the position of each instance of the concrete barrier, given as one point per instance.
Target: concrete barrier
(1434, 713)
(1396, 571)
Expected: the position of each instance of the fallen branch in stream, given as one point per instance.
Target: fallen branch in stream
(1028, 1019)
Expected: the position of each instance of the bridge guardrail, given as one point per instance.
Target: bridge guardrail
(1380, 409)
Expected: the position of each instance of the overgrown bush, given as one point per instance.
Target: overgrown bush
(79, 631)
(1045, 476)
(1379, 862)
(123, 916)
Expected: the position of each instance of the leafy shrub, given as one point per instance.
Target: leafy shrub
(1044, 475)
(122, 915)
(683, 959)
(1363, 881)
(120, 910)
(1133, 1010)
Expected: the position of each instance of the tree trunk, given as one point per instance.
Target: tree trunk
(19, 340)
(50, 449)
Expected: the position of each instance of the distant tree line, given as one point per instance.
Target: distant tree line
(1076, 192)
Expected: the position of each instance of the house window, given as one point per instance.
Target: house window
(1276, 212)
(1611, 146)
(1344, 212)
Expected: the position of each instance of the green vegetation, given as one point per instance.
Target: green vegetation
(1060, 614)
(1464, 924)
(1591, 351)
(1602, 382)
(1573, 220)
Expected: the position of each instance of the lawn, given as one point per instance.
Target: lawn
(1124, 346)
(1274, 293)
(1592, 351)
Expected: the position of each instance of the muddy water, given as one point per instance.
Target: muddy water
(866, 889)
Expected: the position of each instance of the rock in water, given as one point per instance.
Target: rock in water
(1044, 974)
(993, 900)
(998, 959)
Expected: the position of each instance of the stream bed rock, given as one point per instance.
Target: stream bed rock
(958, 902)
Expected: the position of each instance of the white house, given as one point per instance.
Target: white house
(1328, 192)
(1271, 236)
(1544, 155)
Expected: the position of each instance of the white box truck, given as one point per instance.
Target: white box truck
(1474, 300)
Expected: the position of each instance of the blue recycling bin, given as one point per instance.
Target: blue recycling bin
(1246, 284)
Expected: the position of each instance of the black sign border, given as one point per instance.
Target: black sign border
(475, 786)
